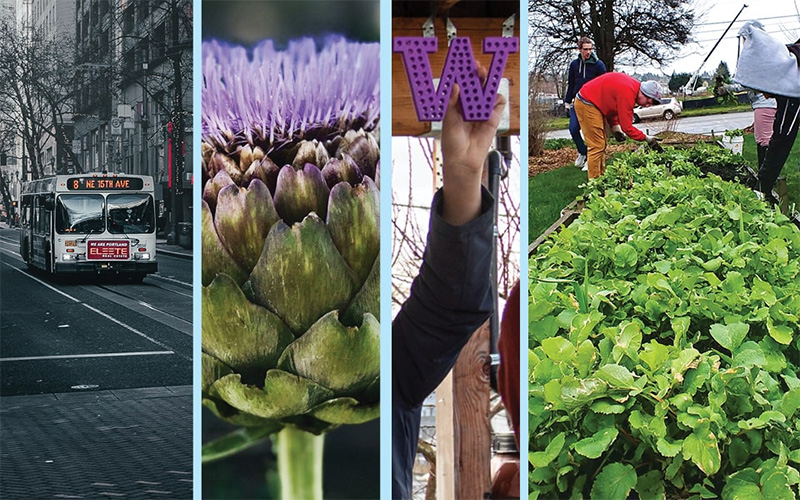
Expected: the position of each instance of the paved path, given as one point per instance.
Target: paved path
(130, 443)
(690, 125)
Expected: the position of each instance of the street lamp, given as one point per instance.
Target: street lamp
(145, 167)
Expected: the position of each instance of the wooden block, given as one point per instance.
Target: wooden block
(404, 117)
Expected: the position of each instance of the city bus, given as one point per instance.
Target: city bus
(89, 223)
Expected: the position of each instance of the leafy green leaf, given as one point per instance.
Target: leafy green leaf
(614, 482)
(544, 458)
(594, 446)
(775, 485)
(790, 402)
(729, 336)
(667, 448)
(742, 485)
(558, 349)
(651, 485)
(701, 448)
(615, 375)
(781, 333)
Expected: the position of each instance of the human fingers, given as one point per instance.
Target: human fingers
(483, 71)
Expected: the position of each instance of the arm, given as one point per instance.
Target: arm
(570, 95)
(624, 119)
(450, 297)
(464, 148)
(601, 68)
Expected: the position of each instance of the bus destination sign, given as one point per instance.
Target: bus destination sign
(107, 250)
(104, 183)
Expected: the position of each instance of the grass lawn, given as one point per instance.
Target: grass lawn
(550, 192)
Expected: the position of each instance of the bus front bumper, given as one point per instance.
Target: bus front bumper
(126, 267)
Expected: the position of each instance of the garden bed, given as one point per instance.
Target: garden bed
(664, 341)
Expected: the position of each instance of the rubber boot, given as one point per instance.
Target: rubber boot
(762, 152)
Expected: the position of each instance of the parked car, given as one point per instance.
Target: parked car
(668, 109)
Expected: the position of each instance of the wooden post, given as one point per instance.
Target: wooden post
(463, 430)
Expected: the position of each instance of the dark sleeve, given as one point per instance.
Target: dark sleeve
(570, 95)
(601, 68)
(795, 49)
(449, 300)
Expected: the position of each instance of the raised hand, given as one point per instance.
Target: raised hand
(465, 145)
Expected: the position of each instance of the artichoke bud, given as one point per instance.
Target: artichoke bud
(291, 274)
(247, 155)
(363, 148)
(214, 185)
(301, 192)
(264, 170)
(312, 152)
(342, 170)
(206, 151)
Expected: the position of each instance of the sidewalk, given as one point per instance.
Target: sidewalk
(127, 443)
(173, 250)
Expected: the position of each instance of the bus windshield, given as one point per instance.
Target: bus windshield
(79, 213)
(130, 213)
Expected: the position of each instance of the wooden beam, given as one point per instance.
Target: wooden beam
(404, 117)
(463, 430)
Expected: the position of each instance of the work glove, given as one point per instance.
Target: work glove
(653, 143)
(618, 135)
(567, 106)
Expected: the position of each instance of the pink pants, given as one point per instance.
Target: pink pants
(763, 119)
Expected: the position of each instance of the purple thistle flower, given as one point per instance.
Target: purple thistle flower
(276, 97)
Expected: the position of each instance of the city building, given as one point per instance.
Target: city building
(128, 99)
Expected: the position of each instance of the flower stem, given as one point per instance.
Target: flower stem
(300, 464)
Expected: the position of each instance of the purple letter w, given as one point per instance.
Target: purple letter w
(459, 67)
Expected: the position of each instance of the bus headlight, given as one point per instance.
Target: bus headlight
(69, 256)
(141, 256)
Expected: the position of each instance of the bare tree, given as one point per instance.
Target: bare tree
(409, 221)
(624, 31)
(35, 84)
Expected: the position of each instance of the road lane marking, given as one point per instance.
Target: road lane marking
(47, 285)
(127, 327)
(101, 313)
(167, 278)
(80, 356)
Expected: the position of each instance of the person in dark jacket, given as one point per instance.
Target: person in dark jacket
(451, 296)
(581, 70)
(768, 65)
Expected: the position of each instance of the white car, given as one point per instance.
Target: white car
(668, 109)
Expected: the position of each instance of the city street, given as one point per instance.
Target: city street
(95, 381)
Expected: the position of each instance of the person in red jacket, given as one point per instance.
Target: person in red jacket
(608, 100)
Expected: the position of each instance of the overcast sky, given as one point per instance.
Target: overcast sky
(780, 18)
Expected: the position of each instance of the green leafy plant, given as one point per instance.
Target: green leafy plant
(737, 132)
(664, 343)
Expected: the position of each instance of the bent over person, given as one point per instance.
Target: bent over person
(608, 100)
(451, 296)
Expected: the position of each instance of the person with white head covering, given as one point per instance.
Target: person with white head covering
(770, 66)
(608, 100)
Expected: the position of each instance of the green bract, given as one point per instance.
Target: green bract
(664, 342)
(290, 296)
